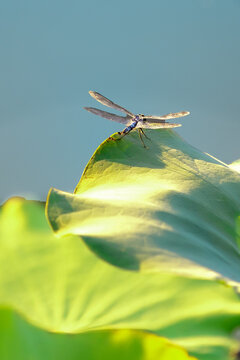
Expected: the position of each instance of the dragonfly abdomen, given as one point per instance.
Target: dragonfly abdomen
(132, 126)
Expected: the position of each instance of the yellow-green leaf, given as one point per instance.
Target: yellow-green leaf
(20, 340)
(168, 208)
(59, 285)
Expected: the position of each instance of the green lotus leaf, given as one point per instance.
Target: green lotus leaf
(22, 341)
(235, 165)
(61, 286)
(168, 208)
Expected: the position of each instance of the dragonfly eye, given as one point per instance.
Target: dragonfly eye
(142, 117)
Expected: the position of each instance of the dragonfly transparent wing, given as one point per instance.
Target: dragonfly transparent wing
(156, 125)
(126, 120)
(105, 101)
(167, 116)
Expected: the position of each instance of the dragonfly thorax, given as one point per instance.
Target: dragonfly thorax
(140, 117)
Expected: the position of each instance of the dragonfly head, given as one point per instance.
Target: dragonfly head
(141, 117)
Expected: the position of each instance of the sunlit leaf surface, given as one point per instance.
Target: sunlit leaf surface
(60, 285)
(168, 208)
(235, 165)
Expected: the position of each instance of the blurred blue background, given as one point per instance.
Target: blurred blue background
(154, 56)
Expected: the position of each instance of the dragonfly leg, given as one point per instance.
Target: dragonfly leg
(141, 138)
(143, 133)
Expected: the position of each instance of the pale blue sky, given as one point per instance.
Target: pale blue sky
(150, 56)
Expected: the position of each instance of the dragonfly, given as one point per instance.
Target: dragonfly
(132, 121)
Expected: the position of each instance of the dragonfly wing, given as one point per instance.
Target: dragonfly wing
(105, 101)
(126, 120)
(156, 125)
(167, 116)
